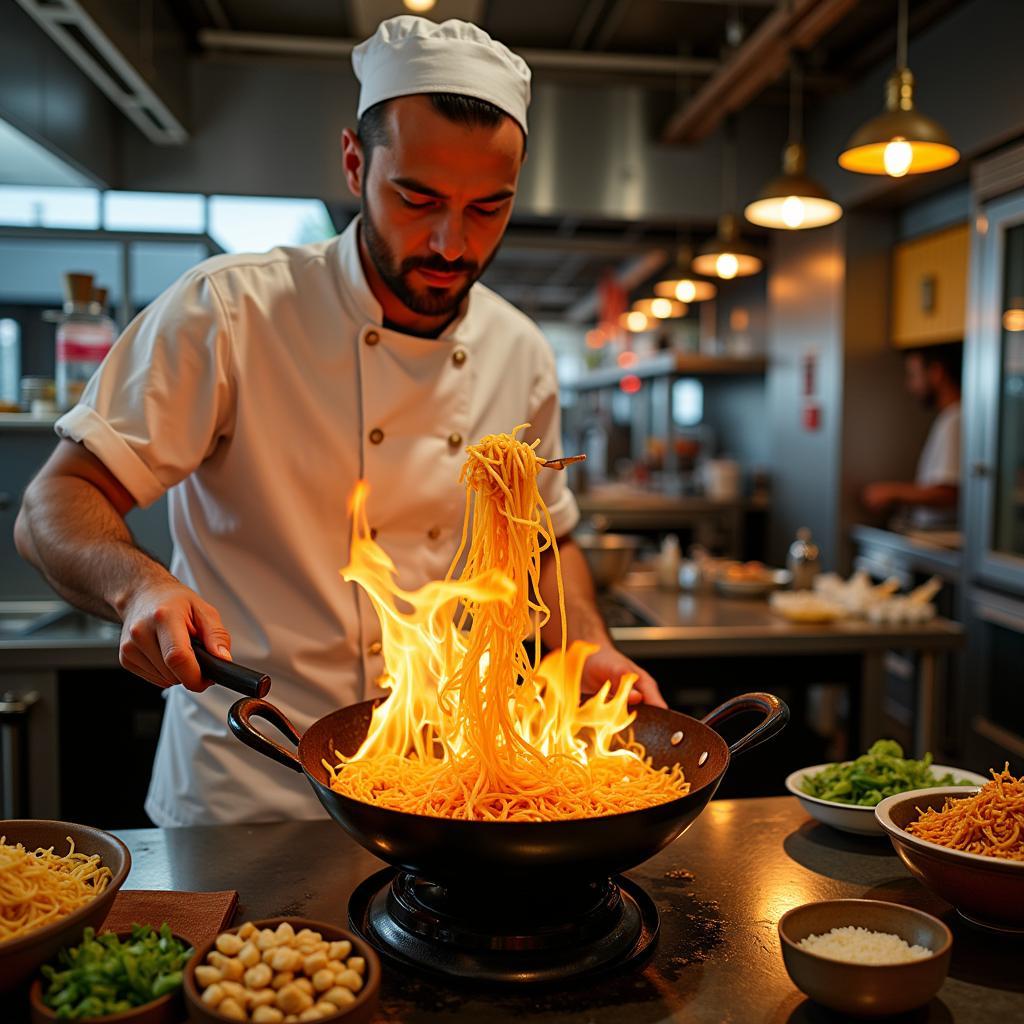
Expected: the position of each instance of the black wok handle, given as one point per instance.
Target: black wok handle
(239, 722)
(776, 715)
(246, 681)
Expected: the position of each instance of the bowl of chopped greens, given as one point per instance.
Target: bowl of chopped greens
(119, 978)
(844, 794)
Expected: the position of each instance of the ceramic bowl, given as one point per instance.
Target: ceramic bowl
(21, 957)
(860, 821)
(986, 890)
(359, 1012)
(865, 990)
(168, 1009)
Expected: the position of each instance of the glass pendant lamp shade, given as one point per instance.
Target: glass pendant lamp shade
(727, 256)
(793, 201)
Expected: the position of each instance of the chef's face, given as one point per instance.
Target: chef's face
(920, 380)
(436, 198)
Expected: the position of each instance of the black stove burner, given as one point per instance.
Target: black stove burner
(498, 935)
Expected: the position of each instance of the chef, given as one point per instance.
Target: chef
(258, 389)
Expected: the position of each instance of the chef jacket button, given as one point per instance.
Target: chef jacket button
(375, 648)
(376, 435)
(434, 532)
(454, 440)
(459, 356)
(373, 533)
(372, 337)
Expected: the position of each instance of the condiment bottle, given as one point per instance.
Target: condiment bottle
(803, 560)
(84, 336)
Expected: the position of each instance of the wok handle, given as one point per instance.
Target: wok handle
(239, 722)
(776, 715)
(246, 681)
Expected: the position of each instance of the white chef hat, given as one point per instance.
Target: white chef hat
(409, 55)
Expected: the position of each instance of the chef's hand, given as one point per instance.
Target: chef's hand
(608, 663)
(160, 618)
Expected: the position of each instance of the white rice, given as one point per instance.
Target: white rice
(862, 946)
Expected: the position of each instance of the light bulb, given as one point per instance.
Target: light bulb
(1013, 320)
(636, 321)
(419, 6)
(685, 291)
(661, 308)
(793, 211)
(726, 266)
(897, 157)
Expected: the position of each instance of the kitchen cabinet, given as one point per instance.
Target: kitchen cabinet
(929, 288)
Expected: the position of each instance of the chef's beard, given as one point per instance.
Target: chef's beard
(425, 301)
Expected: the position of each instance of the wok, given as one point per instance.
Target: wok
(471, 853)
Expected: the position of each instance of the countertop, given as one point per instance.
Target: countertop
(916, 550)
(720, 889)
(684, 624)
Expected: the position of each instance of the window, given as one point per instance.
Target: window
(687, 402)
(255, 224)
(25, 206)
(154, 211)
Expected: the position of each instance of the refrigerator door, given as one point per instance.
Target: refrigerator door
(994, 398)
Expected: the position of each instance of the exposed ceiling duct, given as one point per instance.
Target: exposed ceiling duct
(581, 61)
(80, 35)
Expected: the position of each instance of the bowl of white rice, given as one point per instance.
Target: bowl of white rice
(865, 958)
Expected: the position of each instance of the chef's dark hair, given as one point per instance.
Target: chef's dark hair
(950, 357)
(372, 129)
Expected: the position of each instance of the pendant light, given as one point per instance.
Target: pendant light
(727, 256)
(681, 286)
(661, 308)
(902, 140)
(794, 201)
(1013, 317)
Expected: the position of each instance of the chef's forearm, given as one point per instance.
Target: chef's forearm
(583, 620)
(71, 533)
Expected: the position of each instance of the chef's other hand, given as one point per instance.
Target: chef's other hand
(160, 620)
(608, 663)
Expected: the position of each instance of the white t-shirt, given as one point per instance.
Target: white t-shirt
(939, 465)
(256, 391)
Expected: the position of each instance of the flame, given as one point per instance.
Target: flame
(471, 726)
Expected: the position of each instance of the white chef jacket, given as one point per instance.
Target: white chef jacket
(256, 391)
(939, 465)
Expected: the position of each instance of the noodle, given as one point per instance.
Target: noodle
(990, 823)
(474, 728)
(40, 887)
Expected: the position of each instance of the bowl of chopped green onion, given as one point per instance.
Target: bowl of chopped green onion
(119, 978)
(844, 794)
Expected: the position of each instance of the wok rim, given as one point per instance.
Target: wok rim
(619, 816)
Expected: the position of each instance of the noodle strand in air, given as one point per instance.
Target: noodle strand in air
(473, 727)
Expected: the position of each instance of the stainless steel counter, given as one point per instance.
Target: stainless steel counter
(898, 551)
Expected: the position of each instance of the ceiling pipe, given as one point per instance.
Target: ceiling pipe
(546, 60)
(793, 25)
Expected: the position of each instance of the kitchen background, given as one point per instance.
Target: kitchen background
(138, 138)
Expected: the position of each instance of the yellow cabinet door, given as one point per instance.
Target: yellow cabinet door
(929, 295)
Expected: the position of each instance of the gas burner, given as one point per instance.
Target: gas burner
(503, 935)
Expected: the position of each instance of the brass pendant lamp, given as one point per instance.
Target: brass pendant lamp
(902, 140)
(680, 285)
(793, 201)
(727, 255)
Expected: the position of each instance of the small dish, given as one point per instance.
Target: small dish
(20, 958)
(985, 890)
(861, 821)
(769, 580)
(168, 1009)
(360, 1011)
(865, 990)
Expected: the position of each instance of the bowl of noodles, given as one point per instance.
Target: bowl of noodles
(966, 845)
(56, 879)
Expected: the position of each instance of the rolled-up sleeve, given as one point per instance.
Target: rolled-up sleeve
(546, 424)
(164, 396)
